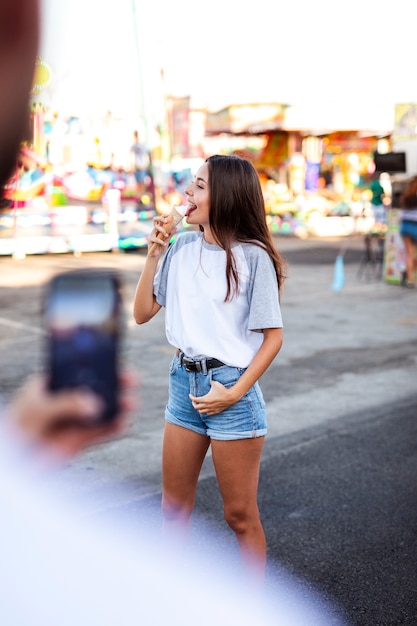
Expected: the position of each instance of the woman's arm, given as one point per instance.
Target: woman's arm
(145, 305)
(269, 349)
(220, 398)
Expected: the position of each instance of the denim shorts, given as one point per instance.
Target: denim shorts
(408, 228)
(243, 420)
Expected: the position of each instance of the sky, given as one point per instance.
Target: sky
(108, 56)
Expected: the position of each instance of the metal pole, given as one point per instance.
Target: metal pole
(143, 101)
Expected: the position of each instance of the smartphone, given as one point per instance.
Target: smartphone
(83, 320)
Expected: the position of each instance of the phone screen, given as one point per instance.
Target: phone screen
(82, 316)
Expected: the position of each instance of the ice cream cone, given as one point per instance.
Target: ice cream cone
(174, 218)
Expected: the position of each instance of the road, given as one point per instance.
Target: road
(337, 490)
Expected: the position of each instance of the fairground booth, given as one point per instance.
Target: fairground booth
(316, 176)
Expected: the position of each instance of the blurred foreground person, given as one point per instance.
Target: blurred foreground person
(19, 40)
(61, 565)
(57, 566)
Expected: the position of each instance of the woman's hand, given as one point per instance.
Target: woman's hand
(159, 237)
(215, 401)
(220, 398)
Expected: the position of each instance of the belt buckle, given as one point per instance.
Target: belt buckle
(188, 363)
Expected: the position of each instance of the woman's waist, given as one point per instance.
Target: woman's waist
(234, 355)
(199, 363)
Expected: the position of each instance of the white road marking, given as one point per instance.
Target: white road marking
(22, 326)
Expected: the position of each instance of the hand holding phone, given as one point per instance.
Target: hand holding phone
(55, 426)
(83, 319)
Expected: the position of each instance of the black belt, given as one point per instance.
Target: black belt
(198, 365)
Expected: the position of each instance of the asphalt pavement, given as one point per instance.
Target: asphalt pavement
(338, 478)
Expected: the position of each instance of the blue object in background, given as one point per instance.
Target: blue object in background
(339, 274)
(312, 176)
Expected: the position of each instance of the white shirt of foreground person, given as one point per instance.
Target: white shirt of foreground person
(60, 568)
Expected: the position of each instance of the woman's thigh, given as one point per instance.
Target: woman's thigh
(237, 465)
(183, 454)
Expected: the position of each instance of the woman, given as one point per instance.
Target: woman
(220, 287)
(408, 231)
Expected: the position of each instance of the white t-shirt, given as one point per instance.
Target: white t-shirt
(191, 284)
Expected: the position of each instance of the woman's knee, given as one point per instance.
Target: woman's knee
(176, 510)
(241, 517)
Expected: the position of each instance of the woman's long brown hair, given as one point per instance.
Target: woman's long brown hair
(408, 199)
(237, 213)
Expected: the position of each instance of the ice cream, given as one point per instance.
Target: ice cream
(174, 218)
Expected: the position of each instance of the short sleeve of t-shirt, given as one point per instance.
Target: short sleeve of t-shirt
(264, 309)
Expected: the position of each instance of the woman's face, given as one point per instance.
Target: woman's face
(199, 199)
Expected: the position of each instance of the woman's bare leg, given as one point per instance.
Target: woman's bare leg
(410, 258)
(183, 454)
(237, 465)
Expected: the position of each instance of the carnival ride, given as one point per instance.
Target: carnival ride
(87, 211)
(97, 209)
